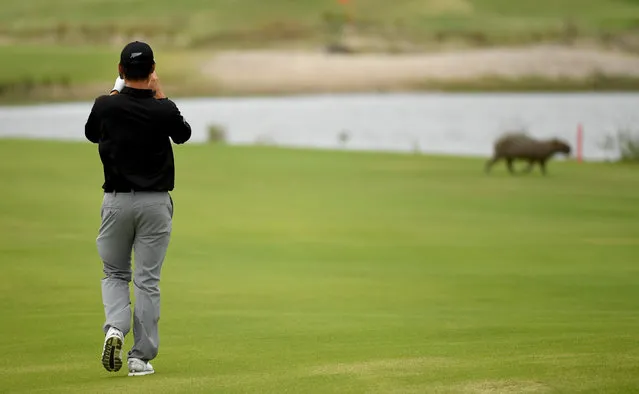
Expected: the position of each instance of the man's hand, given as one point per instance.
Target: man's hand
(118, 86)
(154, 84)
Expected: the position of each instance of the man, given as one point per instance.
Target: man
(133, 127)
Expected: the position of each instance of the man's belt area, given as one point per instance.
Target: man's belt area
(123, 190)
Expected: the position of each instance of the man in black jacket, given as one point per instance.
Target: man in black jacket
(133, 127)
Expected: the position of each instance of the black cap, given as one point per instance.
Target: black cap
(135, 53)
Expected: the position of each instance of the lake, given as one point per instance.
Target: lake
(442, 123)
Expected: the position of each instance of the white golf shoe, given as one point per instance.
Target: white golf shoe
(112, 350)
(138, 367)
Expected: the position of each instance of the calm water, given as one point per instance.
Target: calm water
(465, 124)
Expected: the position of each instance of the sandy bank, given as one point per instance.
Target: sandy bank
(316, 71)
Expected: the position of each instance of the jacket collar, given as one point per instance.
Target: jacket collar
(141, 93)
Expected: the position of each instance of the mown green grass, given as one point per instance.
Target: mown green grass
(78, 65)
(306, 271)
(40, 63)
(44, 73)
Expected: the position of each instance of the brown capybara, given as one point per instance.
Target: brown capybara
(513, 146)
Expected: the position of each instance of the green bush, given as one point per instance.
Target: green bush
(628, 143)
(217, 134)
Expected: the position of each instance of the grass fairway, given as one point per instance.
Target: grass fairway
(300, 271)
(286, 19)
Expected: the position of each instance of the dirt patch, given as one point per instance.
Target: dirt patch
(269, 70)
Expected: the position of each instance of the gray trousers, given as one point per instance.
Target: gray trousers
(140, 222)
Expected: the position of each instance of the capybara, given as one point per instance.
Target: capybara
(513, 146)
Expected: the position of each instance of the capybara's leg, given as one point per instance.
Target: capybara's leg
(490, 163)
(542, 165)
(531, 163)
(509, 163)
